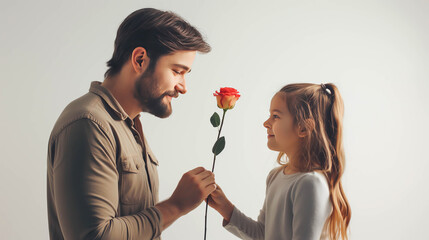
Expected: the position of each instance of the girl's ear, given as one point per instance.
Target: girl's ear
(306, 128)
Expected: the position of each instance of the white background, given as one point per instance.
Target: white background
(375, 51)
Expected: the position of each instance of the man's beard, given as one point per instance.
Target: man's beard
(145, 93)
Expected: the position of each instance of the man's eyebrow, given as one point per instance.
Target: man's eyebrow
(182, 66)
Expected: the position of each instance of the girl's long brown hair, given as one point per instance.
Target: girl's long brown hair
(319, 109)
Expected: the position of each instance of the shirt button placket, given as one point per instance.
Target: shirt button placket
(136, 136)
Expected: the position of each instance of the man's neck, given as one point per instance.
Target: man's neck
(122, 90)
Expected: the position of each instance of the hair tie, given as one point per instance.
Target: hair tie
(327, 90)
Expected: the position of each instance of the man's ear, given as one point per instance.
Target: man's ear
(306, 128)
(139, 59)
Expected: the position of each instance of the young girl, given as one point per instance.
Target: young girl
(304, 196)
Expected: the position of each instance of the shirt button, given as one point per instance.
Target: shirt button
(126, 165)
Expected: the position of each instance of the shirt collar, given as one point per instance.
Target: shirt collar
(107, 96)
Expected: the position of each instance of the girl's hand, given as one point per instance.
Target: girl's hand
(220, 203)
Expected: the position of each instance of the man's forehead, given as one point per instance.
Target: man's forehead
(181, 55)
(183, 59)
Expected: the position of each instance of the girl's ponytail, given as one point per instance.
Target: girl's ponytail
(341, 213)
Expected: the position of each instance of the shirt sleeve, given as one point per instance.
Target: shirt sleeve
(86, 188)
(244, 227)
(311, 208)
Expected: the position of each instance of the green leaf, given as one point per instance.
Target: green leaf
(215, 120)
(219, 146)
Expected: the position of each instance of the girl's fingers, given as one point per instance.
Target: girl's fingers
(218, 188)
(215, 193)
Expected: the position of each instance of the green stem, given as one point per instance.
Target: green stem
(218, 135)
(214, 161)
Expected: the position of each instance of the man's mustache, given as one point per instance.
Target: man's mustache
(173, 94)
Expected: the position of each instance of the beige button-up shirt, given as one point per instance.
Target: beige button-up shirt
(102, 180)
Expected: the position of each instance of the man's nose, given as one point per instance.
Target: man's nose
(181, 87)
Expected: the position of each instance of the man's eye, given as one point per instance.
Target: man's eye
(176, 72)
(275, 116)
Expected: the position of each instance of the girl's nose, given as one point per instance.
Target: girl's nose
(266, 124)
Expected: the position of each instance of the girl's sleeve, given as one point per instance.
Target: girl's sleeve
(311, 207)
(244, 227)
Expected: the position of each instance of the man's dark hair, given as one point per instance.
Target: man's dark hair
(159, 32)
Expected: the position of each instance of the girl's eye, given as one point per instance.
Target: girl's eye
(275, 116)
(176, 72)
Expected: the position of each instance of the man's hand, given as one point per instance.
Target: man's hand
(194, 186)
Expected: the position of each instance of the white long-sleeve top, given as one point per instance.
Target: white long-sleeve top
(296, 207)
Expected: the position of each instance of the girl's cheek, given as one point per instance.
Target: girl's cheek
(280, 133)
(285, 133)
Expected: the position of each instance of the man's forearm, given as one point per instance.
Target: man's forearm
(170, 212)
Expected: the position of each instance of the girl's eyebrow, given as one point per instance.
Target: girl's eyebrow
(276, 110)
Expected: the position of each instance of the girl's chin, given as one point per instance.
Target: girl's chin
(271, 147)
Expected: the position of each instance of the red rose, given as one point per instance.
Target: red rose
(226, 97)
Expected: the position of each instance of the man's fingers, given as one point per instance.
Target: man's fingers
(209, 189)
(208, 180)
(197, 170)
(205, 174)
(204, 178)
